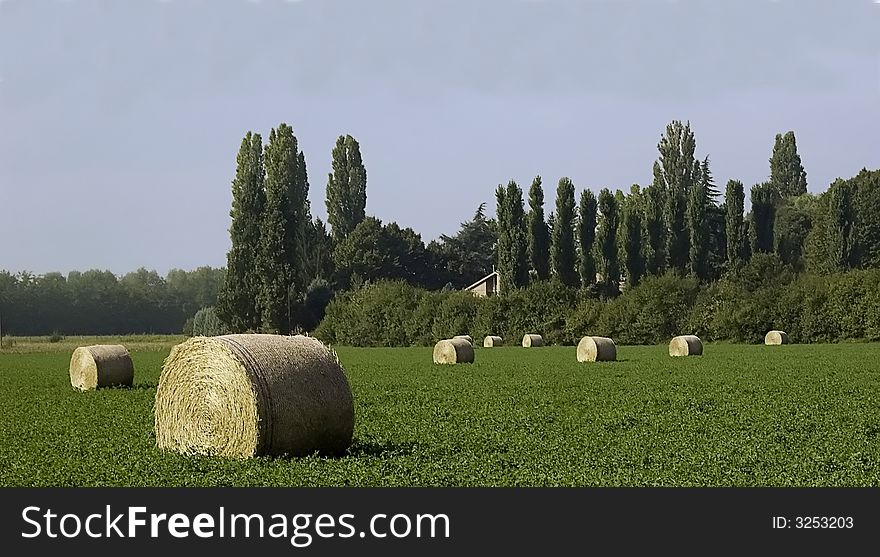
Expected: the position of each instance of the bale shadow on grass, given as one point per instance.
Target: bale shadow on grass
(360, 447)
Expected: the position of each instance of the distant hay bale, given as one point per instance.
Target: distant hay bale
(596, 349)
(686, 345)
(776, 337)
(532, 341)
(465, 337)
(491, 341)
(454, 351)
(101, 365)
(252, 394)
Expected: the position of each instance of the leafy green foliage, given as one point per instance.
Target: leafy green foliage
(539, 235)
(274, 255)
(467, 256)
(513, 265)
(606, 239)
(654, 197)
(734, 202)
(518, 239)
(317, 297)
(634, 259)
(375, 252)
(99, 302)
(586, 231)
(790, 230)
(675, 173)
(764, 199)
(378, 314)
(651, 313)
(346, 188)
(787, 175)
(699, 200)
(206, 323)
(237, 302)
(562, 255)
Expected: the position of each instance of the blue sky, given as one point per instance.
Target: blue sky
(120, 121)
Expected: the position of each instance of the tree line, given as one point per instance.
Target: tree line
(762, 295)
(678, 224)
(284, 265)
(98, 302)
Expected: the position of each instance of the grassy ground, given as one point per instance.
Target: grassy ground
(24, 345)
(739, 415)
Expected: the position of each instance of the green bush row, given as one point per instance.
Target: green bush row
(763, 295)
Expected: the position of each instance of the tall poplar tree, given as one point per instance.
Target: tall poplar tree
(697, 210)
(654, 198)
(505, 263)
(677, 171)
(346, 188)
(275, 253)
(633, 250)
(563, 256)
(519, 245)
(237, 299)
(607, 238)
(586, 237)
(764, 199)
(841, 233)
(539, 235)
(787, 175)
(734, 200)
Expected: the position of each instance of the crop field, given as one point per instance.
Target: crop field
(738, 416)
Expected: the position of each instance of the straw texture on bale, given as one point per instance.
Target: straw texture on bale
(686, 345)
(465, 337)
(454, 351)
(776, 337)
(532, 340)
(249, 395)
(491, 341)
(102, 365)
(596, 349)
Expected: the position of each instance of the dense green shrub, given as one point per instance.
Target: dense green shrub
(742, 307)
(583, 320)
(650, 313)
(314, 304)
(455, 315)
(206, 323)
(375, 315)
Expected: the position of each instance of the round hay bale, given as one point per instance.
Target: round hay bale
(686, 345)
(532, 340)
(101, 365)
(249, 395)
(776, 338)
(491, 341)
(596, 349)
(465, 337)
(454, 351)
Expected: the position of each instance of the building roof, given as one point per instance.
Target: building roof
(482, 280)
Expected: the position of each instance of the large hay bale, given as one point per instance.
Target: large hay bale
(249, 395)
(466, 337)
(454, 351)
(776, 337)
(101, 365)
(686, 345)
(596, 349)
(492, 341)
(532, 340)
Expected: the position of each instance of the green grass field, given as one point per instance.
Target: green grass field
(738, 416)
